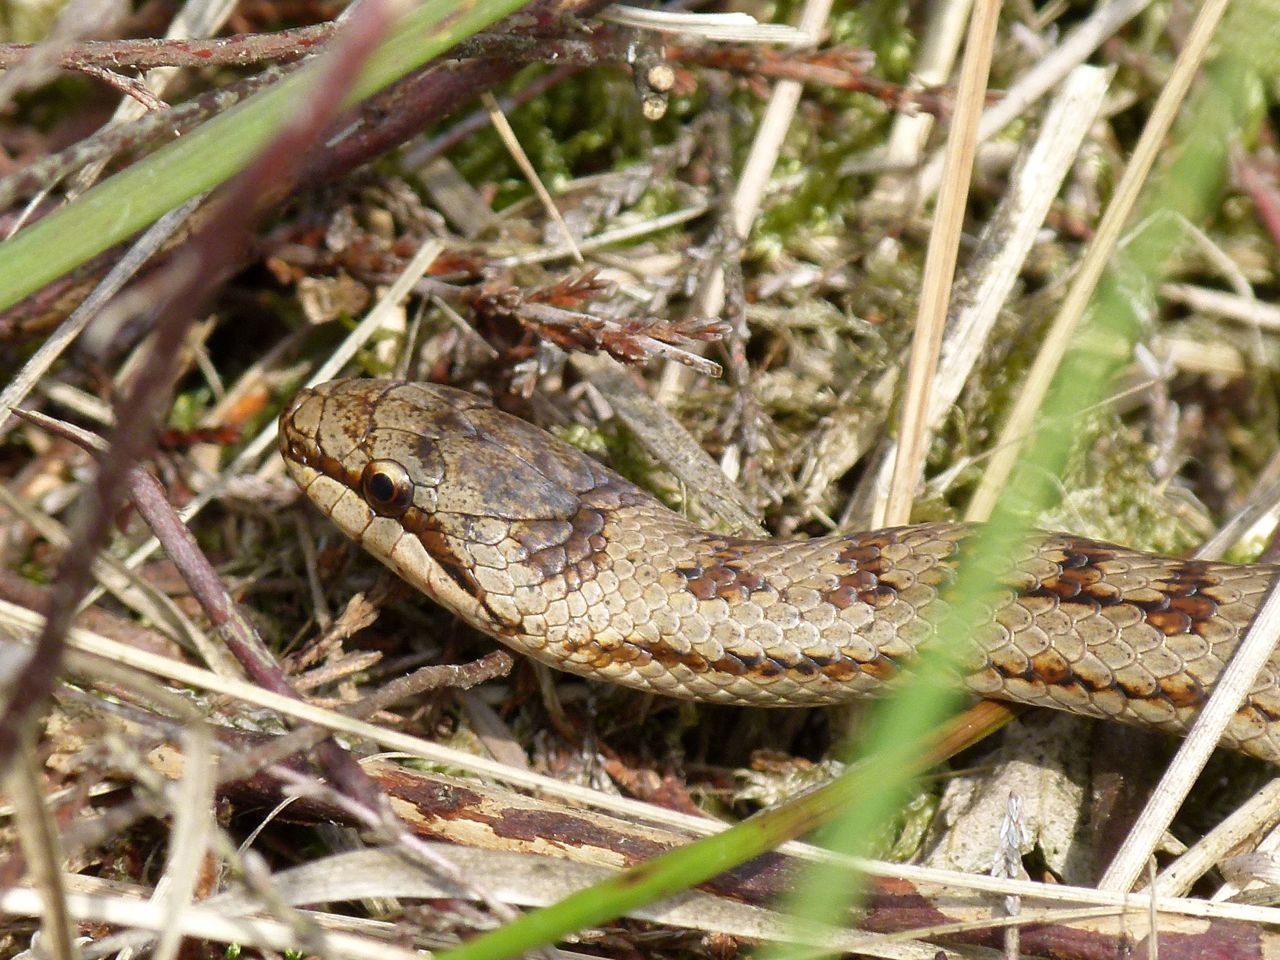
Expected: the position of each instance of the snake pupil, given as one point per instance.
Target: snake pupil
(381, 488)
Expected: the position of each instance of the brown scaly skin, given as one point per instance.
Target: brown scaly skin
(533, 542)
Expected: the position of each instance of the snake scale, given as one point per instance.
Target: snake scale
(533, 542)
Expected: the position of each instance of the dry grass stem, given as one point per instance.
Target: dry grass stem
(940, 263)
(1096, 259)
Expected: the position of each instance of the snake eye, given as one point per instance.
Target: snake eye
(387, 487)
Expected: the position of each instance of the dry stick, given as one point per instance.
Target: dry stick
(390, 830)
(136, 593)
(216, 601)
(535, 880)
(191, 801)
(144, 53)
(73, 21)
(152, 240)
(1260, 811)
(1027, 404)
(389, 118)
(286, 46)
(1261, 501)
(753, 181)
(203, 923)
(197, 18)
(420, 154)
(666, 438)
(1232, 687)
(133, 89)
(512, 143)
(940, 260)
(1043, 77)
(195, 790)
(42, 174)
(25, 621)
(182, 290)
(606, 238)
(1227, 306)
(538, 880)
(39, 841)
(932, 66)
(999, 256)
(234, 627)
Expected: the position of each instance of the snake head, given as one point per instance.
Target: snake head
(455, 496)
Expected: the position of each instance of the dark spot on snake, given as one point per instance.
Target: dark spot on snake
(881, 668)
(549, 563)
(879, 596)
(842, 598)
(731, 665)
(863, 556)
(1182, 690)
(1057, 587)
(841, 671)
(1169, 622)
(1050, 667)
(1140, 689)
(1074, 561)
(1082, 577)
(860, 580)
(728, 583)
(805, 667)
(701, 587)
(770, 668)
(1196, 607)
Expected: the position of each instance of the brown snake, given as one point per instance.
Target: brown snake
(538, 545)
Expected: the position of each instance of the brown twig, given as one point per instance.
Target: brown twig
(147, 53)
(42, 174)
(179, 290)
(418, 156)
(399, 112)
(128, 86)
(550, 313)
(604, 45)
(842, 68)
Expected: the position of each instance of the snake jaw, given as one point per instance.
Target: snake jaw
(402, 528)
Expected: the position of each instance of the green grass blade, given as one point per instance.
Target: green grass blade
(872, 791)
(137, 196)
(686, 866)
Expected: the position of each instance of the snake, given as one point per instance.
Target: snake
(537, 544)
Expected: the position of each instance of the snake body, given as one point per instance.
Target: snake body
(535, 543)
